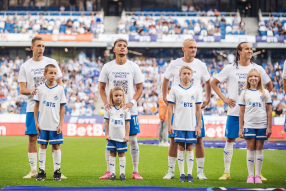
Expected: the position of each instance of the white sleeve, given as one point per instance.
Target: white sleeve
(171, 96)
(127, 116)
(22, 75)
(199, 97)
(63, 98)
(223, 75)
(103, 76)
(60, 75)
(205, 73)
(107, 114)
(267, 97)
(138, 76)
(284, 71)
(241, 100)
(264, 76)
(169, 72)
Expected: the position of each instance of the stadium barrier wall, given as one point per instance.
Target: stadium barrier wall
(92, 126)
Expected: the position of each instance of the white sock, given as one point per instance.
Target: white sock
(181, 161)
(33, 161)
(190, 161)
(107, 155)
(200, 164)
(259, 161)
(122, 164)
(250, 161)
(228, 151)
(57, 159)
(134, 151)
(112, 161)
(171, 163)
(42, 158)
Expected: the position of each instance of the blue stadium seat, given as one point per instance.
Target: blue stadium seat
(242, 32)
(157, 9)
(264, 65)
(11, 8)
(144, 9)
(275, 33)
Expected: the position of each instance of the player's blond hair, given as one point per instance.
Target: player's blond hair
(111, 95)
(35, 39)
(259, 86)
(188, 40)
(185, 67)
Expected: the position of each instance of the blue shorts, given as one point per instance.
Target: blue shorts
(120, 147)
(134, 125)
(30, 127)
(185, 137)
(285, 124)
(203, 133)
(258, 134)
(50, 137)
(232, 127)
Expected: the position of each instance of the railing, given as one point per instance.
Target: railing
(275, 14)
(49, 13)
(156, 13)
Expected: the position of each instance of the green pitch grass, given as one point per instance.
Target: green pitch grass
(83, 162)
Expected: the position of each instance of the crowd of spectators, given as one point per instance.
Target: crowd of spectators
(272, 27)
(147, 25)
(80, 79)
(82, 24)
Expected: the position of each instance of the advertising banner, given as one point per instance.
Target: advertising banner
(66, 37)
(143, 38)
(181, 38)
(240, 38)
(15, 37)
(270, 39)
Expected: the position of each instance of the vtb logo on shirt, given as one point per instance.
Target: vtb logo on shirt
(120, 74)
(49, 104)
(255, 104)
(187, 104)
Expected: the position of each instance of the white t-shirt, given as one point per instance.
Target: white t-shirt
(255, 115)
(284, 70)
(117, 118)
(126, 76)
(199, 68)
(32, 73)
(50, 100)
(236, 78)
(185, 101)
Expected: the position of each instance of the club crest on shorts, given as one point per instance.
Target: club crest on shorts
(246, 130)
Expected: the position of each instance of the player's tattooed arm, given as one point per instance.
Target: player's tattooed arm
(103, 95)
(25, 91)
(170, 113)
(165, 90)
(241, 119)
(62, 114)
(208, 94)
(36, 111)
(137, 95)
(214, 85)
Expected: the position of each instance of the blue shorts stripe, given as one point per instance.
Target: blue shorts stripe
(120, 147)
(51, 137)
(185, 136)
(259, 134)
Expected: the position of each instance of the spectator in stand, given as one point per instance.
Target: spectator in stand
(222, 20)
(62, 8)
(235, 20)
(230, 58)
(242, 25)
(184, 8)
(89, 5)
(216, 13)
(210, 13)
(191, 8)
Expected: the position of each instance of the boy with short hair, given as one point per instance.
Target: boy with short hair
(49, 113)
(186, 101)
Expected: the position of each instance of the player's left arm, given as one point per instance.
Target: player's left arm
(208, 94)
(139, 90)
(269, 86)
(60, 82)
(198, 113)
(62, 115)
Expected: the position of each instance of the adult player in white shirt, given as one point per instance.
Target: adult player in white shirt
(255, 122)
(186, 101)
(284, 86)
(127, 74)
(117, 127)
(49, 114)
(31, 76)
(200, 73)
(235, 75)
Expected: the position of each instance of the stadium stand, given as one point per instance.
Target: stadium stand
(272, 24)
(52, 23)
(180, 23)
(81, 76)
